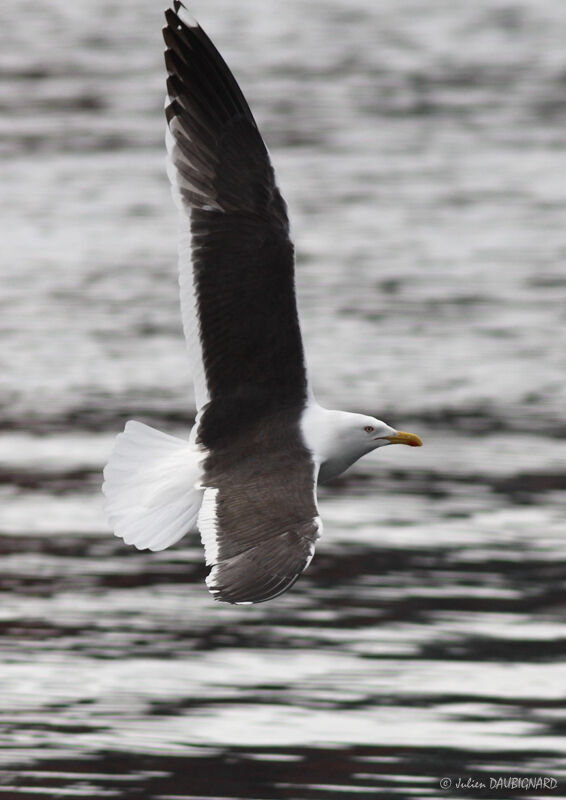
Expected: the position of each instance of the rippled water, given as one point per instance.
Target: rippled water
(422, 149)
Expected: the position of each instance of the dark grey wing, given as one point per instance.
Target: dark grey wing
(258, 520)
(237, 261)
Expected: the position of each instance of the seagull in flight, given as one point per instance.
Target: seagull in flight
(246, 477)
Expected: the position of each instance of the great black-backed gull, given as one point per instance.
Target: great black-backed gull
(247, 475)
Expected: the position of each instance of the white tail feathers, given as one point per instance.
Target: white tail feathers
(150, 487)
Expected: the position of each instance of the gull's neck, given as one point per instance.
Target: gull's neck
(323, 433)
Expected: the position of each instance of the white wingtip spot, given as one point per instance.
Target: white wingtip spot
(186, 17)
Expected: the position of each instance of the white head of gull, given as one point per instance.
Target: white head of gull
(246, 476)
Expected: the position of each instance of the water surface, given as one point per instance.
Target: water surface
(421, 147)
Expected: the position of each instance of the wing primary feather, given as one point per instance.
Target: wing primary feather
(199, 97)
(215, 62)
(198, 63)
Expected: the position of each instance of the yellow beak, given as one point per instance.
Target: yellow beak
(405, 438)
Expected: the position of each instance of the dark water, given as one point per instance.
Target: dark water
(422, 149)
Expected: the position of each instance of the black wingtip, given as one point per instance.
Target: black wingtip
(179, 14)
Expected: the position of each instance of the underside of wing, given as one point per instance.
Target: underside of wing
(237, 260)
(259, 520)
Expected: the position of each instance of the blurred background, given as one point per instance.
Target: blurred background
(421, 146)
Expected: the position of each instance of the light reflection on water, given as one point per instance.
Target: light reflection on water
(427, 637)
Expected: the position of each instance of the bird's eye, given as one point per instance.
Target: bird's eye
(369, 429)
